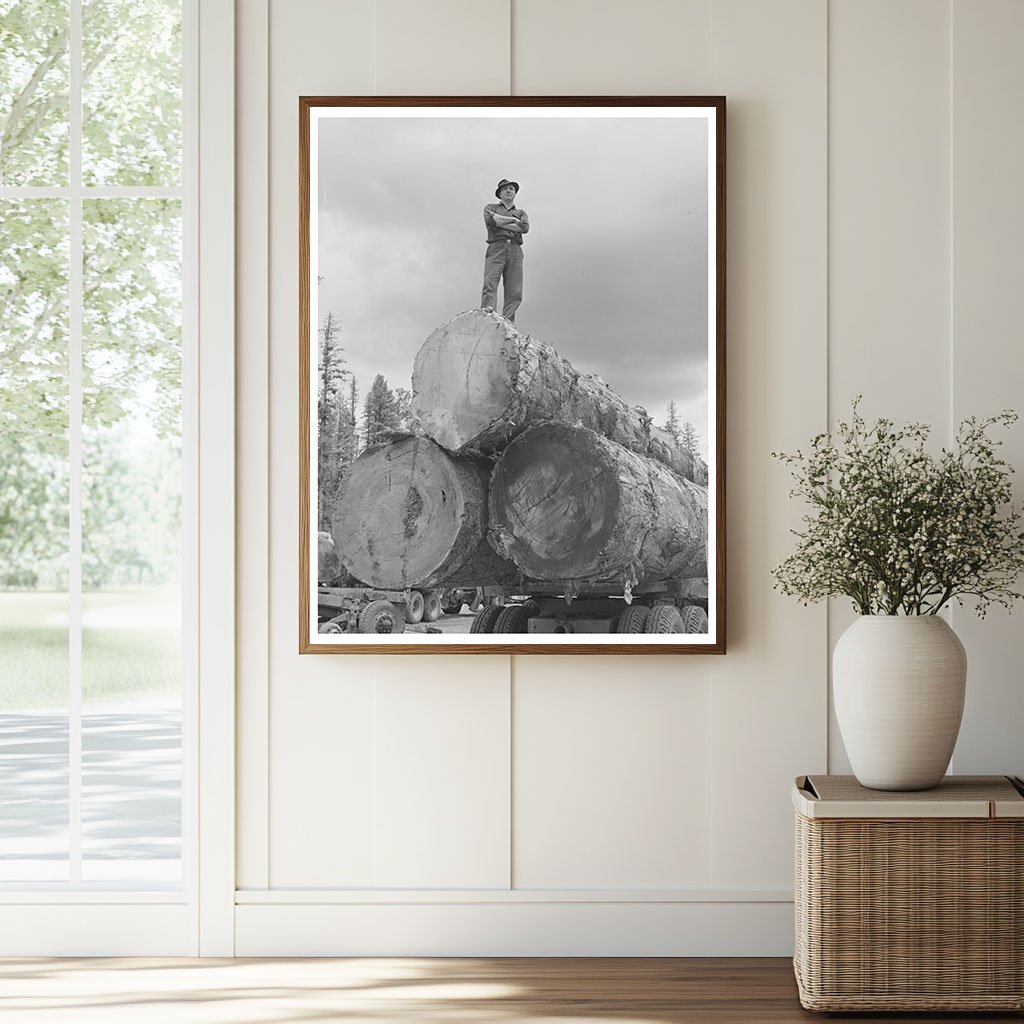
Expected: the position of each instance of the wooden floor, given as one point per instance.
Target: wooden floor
(382, 991)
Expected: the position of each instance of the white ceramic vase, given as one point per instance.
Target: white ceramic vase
(898, 683)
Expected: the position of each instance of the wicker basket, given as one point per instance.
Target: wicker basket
(910, 901)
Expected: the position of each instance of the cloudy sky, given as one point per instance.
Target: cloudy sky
(615, 274)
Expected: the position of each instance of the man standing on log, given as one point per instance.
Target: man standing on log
(506, 224)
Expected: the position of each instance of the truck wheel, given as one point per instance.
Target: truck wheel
(485, 618)
(381, 617)
(695, 619)
(414, 607)
(514, 618)
(451, 602)
(432, 607)
(665, 619)
(633, 619)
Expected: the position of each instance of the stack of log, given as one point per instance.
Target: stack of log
(521, 467)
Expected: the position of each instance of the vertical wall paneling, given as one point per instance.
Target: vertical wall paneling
(611, 756)
(889, 202)
(888, 223)
(252, 463)
(442, 48)
(871, 248)
(323, 761)
(611, 775)
(576, 47)
(988, 333)
(769, 692)
(326, 716)
(321, 708)
(442, 774)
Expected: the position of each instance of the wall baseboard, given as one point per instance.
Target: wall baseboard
(100, 928)
(515, 929)
(333, 897)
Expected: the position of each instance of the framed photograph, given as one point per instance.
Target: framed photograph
(512, 375)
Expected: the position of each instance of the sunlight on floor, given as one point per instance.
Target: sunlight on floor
(146, 991)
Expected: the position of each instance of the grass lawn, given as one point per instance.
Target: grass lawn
(130, 647)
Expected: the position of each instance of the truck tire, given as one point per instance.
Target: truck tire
(695, 619)
(514, 618)
(485, 619)
(633, 619)
(414, 607)
(381, 617)
(665, 619)
(432, 606)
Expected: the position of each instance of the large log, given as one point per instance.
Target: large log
(409, 514)
(477, 383)
(567, 504)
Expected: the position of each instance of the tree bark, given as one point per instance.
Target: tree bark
(567, 504)
(478, 383)
(409, 514)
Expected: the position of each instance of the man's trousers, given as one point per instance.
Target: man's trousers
(503, 260)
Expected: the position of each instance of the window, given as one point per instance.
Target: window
(95, 454)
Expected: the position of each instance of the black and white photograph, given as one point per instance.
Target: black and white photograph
(511, 348)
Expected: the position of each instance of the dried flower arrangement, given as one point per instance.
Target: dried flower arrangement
(899, 530)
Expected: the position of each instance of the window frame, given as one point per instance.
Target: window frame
(76, 918)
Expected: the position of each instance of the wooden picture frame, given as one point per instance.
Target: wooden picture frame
(562, 461)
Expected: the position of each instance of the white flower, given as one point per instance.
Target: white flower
(898, 529)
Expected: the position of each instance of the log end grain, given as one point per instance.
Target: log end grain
(399, 514)
(554, 502)
(566, 503)
(463, 377)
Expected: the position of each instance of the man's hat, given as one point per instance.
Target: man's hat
(502, 184)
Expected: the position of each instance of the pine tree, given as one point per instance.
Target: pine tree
(333, 453)
(672, 421)
(353, 405)
(347, 444)
(380, 411)
(690, 439)
(403, 405)
(331, 369)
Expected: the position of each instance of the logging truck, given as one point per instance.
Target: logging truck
(362, 609)
(675, 606)
(532, 484)
(369, 610)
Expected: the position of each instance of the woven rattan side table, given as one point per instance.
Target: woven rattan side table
(910, 901)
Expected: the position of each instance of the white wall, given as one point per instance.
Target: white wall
(626, 805)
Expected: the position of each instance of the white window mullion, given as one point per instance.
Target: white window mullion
(95, 191)
(189, 192)
(75, 298)
(34, 192)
